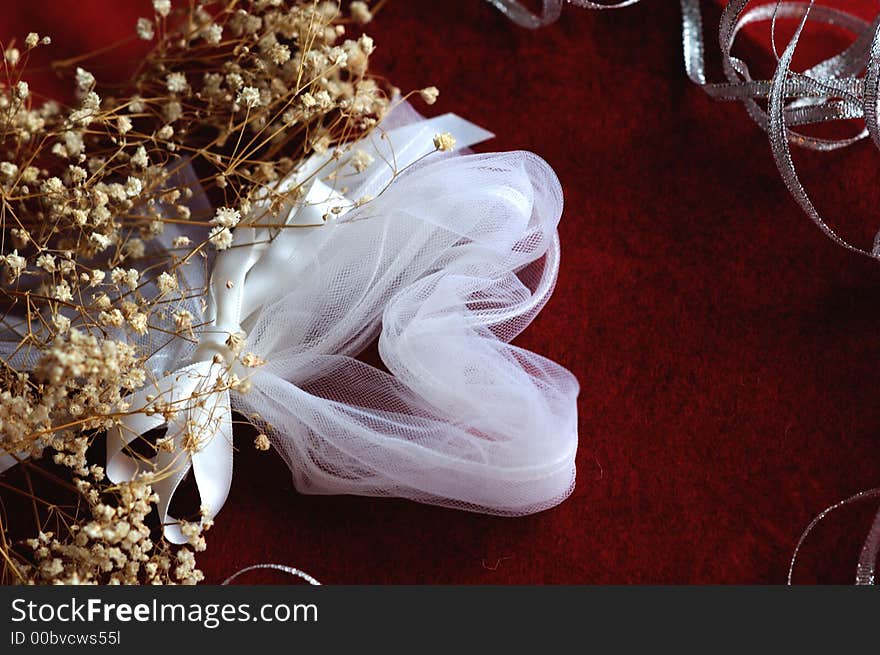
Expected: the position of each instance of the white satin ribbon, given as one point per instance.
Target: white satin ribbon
(201, 429)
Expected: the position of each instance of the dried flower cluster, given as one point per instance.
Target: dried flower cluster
(241, 91)
(113, 546)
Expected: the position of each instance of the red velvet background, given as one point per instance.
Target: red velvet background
(728, 352)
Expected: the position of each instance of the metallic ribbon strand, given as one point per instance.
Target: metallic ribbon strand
(832, 90)
(550, 10)
(868, 557)
(275, 567)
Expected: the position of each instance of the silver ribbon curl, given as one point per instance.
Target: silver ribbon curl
(550, 10)
(832, 90)
(870, 549)
(297, 573)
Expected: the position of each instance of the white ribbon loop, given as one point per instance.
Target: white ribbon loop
(199, 430)
(199, 434)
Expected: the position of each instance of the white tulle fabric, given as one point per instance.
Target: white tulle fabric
(462, 418)
(447, 264)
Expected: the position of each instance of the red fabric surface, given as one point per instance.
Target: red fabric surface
(727, 350)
